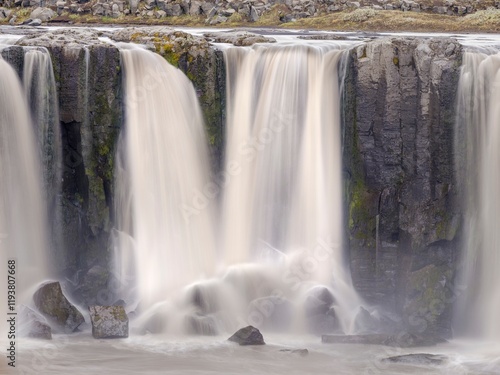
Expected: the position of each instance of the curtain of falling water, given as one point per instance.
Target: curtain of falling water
(166, 163)
(22, 214)
(40, 90)
(284, 139)
(478, 157)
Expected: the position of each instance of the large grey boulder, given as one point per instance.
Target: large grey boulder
(51, 302)
(32, 324)
(248, 336)
(108, 322)
(43, 14)
(35, 22)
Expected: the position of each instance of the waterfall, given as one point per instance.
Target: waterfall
(478, 155)
(284, 146)
(40, 89)
(165, 161)
(274, 212)
(22, 210)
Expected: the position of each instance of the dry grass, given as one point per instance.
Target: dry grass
(481, 17)
(359, 15)
(396, 20)
(363, 19)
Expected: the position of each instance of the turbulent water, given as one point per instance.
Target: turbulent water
(22, 210)
(478, 153)
(158, 354)
(275, 240)
(166, 162)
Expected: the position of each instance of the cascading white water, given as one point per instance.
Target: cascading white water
(478, 157)
(22, 211)
(280, 230)
(166, 161)
(40, 89)
(284, 144)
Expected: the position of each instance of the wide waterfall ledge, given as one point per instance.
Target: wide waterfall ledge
(175, 186)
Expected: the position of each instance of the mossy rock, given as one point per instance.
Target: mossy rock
(51, 302)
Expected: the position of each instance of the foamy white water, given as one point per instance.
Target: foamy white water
(478, 152)
(166, 162)
(284, 149)
(22, 210)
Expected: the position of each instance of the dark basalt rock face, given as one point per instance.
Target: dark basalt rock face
(248, 336)
(88, 79)
(402, 215)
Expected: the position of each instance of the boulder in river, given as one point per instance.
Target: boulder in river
(51, 302)
(248, 336)
(108, 322)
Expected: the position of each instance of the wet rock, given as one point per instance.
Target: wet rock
(319, 311)
(301, 352)
(418, 359)
(44, 14)
(318, 301)
(32, 324)
(248, 336)
(108, 322)
(364, 322)
(51, 302)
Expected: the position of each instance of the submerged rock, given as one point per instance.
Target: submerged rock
(401, 340)
(418, 359)
(248, 336)
(108, 322)
(319, 311)
(301, 352)
(32, 324)
(51, 302)
(364, 322)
